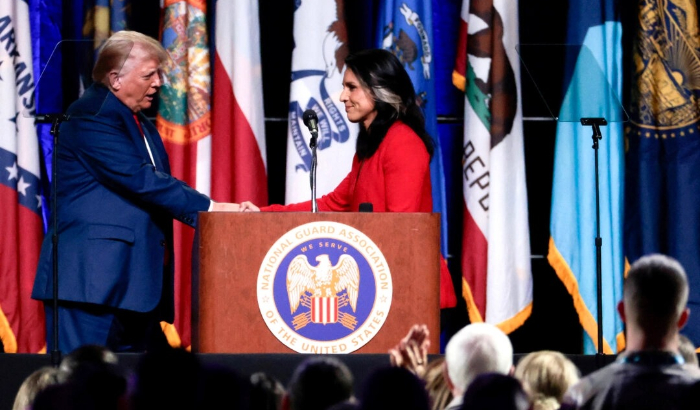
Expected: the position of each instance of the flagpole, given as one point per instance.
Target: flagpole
(55, 120)
(595, 123)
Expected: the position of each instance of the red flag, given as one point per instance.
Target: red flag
(184, 123)
(238, 127)
(21, 318)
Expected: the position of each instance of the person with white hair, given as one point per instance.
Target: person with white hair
(476, 349)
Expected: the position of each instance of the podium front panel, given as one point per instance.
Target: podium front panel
(231, 248)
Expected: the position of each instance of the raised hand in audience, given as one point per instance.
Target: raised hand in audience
(412, 351)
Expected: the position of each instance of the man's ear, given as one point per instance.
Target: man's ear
(684, 318)
(115, 81)
(621, 311)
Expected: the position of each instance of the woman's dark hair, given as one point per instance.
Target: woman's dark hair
(394, 98)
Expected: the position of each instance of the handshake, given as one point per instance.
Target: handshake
(246, 206)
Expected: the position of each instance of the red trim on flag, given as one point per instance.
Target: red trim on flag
(459, 73)
(183, 166)
(474, 261)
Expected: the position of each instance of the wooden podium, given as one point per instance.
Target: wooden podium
(231, 247)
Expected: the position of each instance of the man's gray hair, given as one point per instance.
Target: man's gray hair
(476, 349)
(117, 48)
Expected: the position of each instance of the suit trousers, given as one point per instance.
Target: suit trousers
(119, 330)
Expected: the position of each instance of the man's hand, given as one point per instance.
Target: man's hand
(248, 206)
(226, 207)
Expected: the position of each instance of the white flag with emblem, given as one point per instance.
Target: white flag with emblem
(318, 65)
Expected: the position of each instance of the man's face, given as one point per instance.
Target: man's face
(138, 81)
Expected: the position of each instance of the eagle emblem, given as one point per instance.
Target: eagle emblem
(317, 288)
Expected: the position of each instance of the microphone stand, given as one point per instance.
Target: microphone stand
(312, 145)
(596, 123)
(55, 120)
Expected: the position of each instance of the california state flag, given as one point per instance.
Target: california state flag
(497, 280)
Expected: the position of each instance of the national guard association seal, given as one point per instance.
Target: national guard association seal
(324, 287)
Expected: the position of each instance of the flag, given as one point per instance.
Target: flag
(406, 29)
(497, 279)
(21, 318)
(662, 164)
(46, 26)
(318, 65)
(572, 250)
(103, 18)
(238, 121)
(184, 124)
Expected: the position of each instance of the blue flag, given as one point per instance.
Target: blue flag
(45, 20)
(572, 250)
(406, 29)
(662, 189)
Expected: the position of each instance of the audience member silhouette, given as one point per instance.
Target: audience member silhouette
(346, 405)
(166, 379)
(266, 392)
(546, 376)
(495, 391)
(89, 383)
(39, 380)
(318, 383)
(221, 387)
(393, 388)
(651, 373)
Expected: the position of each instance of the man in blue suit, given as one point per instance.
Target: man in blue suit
(116, 202)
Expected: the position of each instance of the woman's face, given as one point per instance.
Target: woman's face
(359, 104)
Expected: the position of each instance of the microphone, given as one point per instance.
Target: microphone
(311, 120)
(366, 207)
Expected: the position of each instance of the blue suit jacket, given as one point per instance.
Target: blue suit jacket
(115, 210)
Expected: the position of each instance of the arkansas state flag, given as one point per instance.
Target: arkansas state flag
(21, 318)
(238, 121)
(318, 66)
(184, 123)
(497, 280)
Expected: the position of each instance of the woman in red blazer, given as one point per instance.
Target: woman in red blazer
(391, 167)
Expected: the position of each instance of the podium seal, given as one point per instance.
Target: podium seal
(324, 287)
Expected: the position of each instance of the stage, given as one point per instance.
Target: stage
(14, 368)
